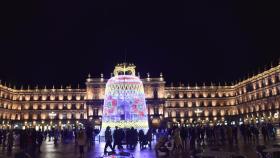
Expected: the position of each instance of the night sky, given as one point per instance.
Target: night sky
(60, 42)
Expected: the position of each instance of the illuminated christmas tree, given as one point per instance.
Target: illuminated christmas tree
(124, 102)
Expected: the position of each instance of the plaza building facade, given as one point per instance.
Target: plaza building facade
(252, 100)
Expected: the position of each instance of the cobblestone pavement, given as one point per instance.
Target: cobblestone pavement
(70, 151)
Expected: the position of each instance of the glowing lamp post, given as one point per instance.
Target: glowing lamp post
(276, 115)
(198, 112)
(52, 115)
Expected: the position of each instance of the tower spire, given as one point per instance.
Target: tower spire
(125, 51)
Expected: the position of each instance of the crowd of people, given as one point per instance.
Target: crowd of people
(190, 138)
(128, 137)
(179, 139)
(29, 141)
(168, 140)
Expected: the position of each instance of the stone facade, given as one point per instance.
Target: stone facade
(255, 99)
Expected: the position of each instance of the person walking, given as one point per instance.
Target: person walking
(178, 140)
(108, 139)
(56, 136)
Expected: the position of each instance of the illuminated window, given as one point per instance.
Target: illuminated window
(156, 110)
(155, 93)
(95, 112)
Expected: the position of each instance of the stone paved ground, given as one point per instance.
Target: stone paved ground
(69, 150)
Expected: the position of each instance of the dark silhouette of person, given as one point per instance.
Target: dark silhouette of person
(141, 138)
(10, 142)
(117, 138)
(149, 136)
(40, 138)
(108, 139)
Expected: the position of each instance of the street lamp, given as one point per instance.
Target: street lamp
(198, 112)
(276, 115)
(52, 115)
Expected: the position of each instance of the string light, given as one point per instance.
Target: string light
(124, 103)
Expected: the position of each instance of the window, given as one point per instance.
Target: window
(193, 95)
(193, 104)
(48, 107)
(202, 104)
(169, 114)
(156, 110)
(177, 114)
(64, 116)
(95, 112)
(155, 93)
(186, 113)
(64, 106)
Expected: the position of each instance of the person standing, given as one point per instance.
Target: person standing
(10, 142)
(81, 142)
(264, 133)
(235, 134)
(1, 133)
(178, 140)
(50, 135)
(134, 137)
(89, 133)
(192, 138)
(40, 138)
(117, 138)
(108, 139)
(56, 136)
(229, 135)
(22, 139)
(149, 138)
(141, 138)
(183, 134)
(128, 138)
(4, 136)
